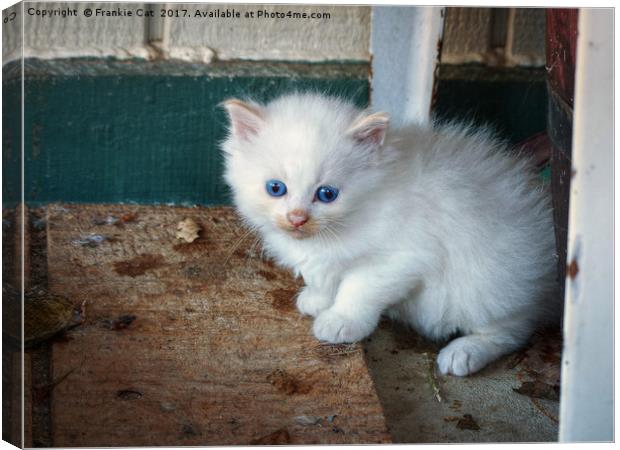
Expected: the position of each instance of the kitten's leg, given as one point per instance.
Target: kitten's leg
(470, 353)
(362, 296)
(318, 293)
(311, 300)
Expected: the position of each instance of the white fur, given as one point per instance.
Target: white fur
(438, 227)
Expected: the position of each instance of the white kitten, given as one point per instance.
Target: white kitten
(435, 226)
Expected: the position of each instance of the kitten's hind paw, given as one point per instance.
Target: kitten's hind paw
(464, 356)
(310, 303)
(335, 328)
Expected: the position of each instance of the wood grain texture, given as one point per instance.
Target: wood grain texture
(561, 51)
(192, 344)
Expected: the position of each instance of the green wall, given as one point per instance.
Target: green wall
(513, 101)
(104, 130)
(100, 130)
(11, 135)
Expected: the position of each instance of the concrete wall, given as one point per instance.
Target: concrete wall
(11, 33)
(468, 37)
(513, 37)
(344, 35)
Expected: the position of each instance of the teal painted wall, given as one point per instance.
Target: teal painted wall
(11, 136)
(109, 131)
(513, 101)
(145, 132)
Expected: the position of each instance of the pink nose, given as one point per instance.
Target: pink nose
(297, 217)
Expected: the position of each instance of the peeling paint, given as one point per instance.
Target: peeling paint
(573, 290)
(573, 269)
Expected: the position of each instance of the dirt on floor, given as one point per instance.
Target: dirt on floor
(515, 399)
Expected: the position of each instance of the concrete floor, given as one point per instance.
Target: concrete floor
(402, 365)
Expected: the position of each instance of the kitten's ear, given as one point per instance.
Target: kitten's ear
(370, 129)
(245, 120)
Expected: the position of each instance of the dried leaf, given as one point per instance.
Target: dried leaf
(538, 389)
(44, 314)
(307, 420)
(467, 423)
(129, 217)
(187, 230)
(287, 383)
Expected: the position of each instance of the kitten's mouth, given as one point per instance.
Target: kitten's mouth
(298, 233)
(305, 231)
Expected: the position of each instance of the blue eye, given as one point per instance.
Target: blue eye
(326, 194)
(275, 188)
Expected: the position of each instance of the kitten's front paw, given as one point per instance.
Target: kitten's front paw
(335, 328)
(310, 303)
(462, 357)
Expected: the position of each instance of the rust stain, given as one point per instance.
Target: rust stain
(201, 245)
(451, 419)
(288, 384)
(283, 300)
(516, 359)
(573, 269)
(138, 265)
(269, 276)
(240, 253)
(456, 405)
(129, 217)
(269, 263)
(551, 355)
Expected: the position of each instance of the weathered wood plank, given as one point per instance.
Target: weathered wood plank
(216, 353)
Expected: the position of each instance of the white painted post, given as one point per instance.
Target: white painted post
(405, 43)
(586, 407)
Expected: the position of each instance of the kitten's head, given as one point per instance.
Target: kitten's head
(302, 165)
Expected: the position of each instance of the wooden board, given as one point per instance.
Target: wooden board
(217, 353)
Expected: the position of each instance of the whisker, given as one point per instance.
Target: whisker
(237, 244)
(252, 248)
